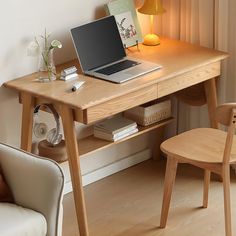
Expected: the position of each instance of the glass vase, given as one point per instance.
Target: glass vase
(47, 69)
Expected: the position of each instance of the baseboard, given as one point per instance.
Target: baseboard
(110, 169)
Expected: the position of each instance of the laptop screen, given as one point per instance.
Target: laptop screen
(98, 43)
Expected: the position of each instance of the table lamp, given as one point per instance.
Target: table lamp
(151, 7)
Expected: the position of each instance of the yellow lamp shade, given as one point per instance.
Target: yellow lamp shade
(152, 7)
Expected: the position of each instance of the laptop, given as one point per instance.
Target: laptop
(102, 55)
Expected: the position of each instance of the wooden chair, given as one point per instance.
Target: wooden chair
(210, 149)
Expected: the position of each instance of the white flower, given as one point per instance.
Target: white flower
(33, 49)
(55, 44)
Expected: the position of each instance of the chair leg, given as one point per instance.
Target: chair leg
(171, 168)
(207, 178)
(226, 186)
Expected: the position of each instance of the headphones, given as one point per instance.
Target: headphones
(53, 136)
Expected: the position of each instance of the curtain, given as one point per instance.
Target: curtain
(208, 23)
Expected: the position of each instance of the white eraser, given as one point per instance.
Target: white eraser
(68, 71)
(77, 85)
(69, 77)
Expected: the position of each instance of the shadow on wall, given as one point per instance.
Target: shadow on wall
(99, 12)
(138, 3)
(67, 52)
(10, 117)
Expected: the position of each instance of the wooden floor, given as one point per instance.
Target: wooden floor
(129, 204)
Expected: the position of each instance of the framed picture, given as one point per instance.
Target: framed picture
(127, 21)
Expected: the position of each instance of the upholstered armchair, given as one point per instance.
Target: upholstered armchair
(37, 188)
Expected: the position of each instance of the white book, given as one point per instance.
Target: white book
(126, 135)
(109, 136)
(115, 125)
(115, 138)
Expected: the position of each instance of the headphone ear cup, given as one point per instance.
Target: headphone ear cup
(40, 130)
(53, 138)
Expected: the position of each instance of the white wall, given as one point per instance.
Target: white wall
(20, 21)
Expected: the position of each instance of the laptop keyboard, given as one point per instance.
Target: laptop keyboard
(109, 70)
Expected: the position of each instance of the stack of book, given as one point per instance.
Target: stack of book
(115, 128)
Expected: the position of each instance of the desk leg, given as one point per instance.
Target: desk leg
(27, 121)
(156, 151)
(211, 96)
(76, 178)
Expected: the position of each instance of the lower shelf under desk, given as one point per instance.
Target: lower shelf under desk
(91, 144)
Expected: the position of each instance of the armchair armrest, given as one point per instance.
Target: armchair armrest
(36, 183)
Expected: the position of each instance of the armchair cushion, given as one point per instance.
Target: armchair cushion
(13, 220)
(36, 184)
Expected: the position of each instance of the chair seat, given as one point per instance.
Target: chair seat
(19, 221)
(202, 144)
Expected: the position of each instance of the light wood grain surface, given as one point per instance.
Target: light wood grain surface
(27, 121)
(128, 203)
(210, 149)
(201, 144)
(92, 144)
(176, 58)
(183, 64)
(75, 170)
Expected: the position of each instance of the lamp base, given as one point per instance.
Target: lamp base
(151, 40)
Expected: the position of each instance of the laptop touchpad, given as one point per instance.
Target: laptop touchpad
(136, 71)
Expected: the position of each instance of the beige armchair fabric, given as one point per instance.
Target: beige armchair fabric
(37, 187)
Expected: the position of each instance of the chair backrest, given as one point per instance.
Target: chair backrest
(225, 114)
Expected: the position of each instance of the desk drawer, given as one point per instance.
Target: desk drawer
(188, 79)
(120, 104)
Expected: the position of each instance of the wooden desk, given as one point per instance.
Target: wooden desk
(184, 65)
